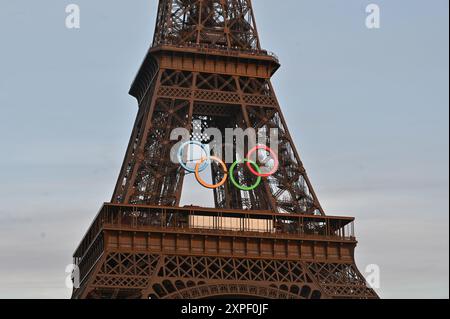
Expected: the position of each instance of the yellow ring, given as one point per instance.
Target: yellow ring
(202, 182)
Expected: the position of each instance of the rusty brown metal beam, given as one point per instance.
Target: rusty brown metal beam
(207, 64)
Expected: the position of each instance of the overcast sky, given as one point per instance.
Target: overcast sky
(368, 110)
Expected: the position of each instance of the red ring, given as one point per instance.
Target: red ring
(272, 153)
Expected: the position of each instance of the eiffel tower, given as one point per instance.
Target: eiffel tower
(206, 68)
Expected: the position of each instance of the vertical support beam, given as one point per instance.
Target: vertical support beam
(189, 128)
(305, 176)
(270, 197)
(141, 148)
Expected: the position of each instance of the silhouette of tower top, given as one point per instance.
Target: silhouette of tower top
(227, 23)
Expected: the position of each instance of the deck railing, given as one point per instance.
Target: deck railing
(211, 48)
(204, 220)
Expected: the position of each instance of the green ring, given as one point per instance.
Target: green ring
(244, 188)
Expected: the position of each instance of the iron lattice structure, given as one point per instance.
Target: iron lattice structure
(206, 69)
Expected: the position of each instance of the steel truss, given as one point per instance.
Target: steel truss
(206, 69)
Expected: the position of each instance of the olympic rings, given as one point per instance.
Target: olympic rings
(201, 181)
(180, 156)
(206, 160)
(272, 153)
(235, 183)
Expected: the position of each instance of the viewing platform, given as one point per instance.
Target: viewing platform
(195, 230)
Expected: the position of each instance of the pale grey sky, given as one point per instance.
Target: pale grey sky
(368, 110)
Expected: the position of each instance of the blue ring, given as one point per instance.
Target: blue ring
(180, 156)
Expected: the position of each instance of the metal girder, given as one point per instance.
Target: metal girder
(206, 66)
